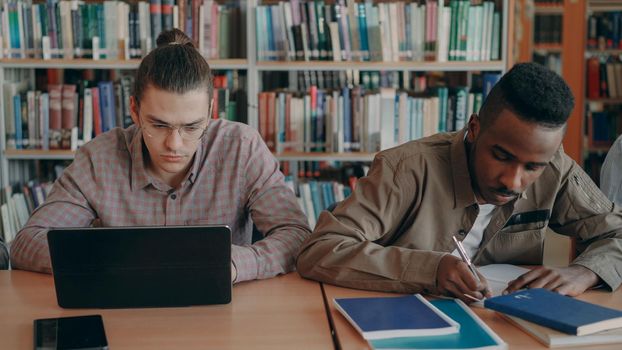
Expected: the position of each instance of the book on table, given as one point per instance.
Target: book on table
(557, 311)
(474, 334)
(554, 339)
(390, 317)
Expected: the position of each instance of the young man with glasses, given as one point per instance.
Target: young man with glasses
(175, 166)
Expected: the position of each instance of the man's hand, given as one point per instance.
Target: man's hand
(572, 280)
(234, 273)
(454, 277)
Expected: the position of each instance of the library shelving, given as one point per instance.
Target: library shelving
(602, 64)
(256, 67)
(540, 36)
(567, 56)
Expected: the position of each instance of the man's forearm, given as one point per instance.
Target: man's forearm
(271, 256)
(367, 265)
(29, 250)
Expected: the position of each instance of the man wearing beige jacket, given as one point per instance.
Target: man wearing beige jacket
(496, 185)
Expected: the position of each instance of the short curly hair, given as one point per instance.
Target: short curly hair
(534, 93)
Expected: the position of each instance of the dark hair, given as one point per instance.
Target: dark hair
(174, 65)
(534, 93)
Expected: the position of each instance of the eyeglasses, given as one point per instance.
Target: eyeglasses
(161, 131)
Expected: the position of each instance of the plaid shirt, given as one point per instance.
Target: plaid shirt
(234, 180)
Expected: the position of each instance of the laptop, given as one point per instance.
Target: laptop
(126, 267)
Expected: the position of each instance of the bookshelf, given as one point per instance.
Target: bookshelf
(565, 56)
(602, 69)
(540, 36)
(255, 72)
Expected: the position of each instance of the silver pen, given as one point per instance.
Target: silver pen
(465, 258)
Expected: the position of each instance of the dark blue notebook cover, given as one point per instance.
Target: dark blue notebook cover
(408, 315)
(474, 334)
(553, 310)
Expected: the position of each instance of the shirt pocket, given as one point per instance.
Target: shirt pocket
(518, 247)
(527, 221)
(521, 240)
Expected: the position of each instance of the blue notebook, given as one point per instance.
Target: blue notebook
(557, 311)
(474, 333)
(387, 317)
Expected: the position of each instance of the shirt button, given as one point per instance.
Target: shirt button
(173, 196)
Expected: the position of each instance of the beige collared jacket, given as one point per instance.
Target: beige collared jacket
(392, 232)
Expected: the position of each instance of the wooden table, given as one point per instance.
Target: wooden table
(348, 338)
(280, 313)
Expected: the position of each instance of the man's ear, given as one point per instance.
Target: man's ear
(134, 110)
(474, 128)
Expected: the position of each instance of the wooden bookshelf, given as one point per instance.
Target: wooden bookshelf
(420, 66)
(549, 9)
(572, 50)
(573, 71)
(85, 63)
(310, 156)
(38, 154)
(604, 5)
(607, 52)
(285, 156)
(254, 71)
(613, 101)
(550, 48)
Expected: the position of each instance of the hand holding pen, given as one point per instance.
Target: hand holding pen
(467, 260)
(458, 277)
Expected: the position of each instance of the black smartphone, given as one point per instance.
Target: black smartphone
(79, 332)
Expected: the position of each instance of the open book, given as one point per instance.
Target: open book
(498, 276)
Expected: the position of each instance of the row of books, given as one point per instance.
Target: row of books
(314, 196)
(116, 29)
(370, 80)
(549, 2)
(604, 77)
(463, 30)
(547, 29)
(355, 119)
(604, 30)
(17, 206)
(603, 125)
(65, 116)
(69, 115)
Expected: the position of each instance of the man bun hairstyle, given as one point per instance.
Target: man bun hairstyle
(175, 65)
(534, 93)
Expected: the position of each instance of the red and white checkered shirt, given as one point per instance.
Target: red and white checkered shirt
(234, 180)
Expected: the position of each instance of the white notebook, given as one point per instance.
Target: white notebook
(498, 276)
